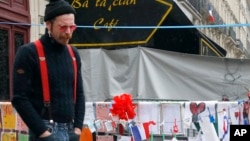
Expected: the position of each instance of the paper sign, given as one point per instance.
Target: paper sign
(108, 126)
(104, 138)
(91, 126)
(9, 116)
(208, 131)
(124, 138)
(169, 120)
(102, 114)
(21, 126)
(8, 136)
(226, 116)
(150, 111)
(91, 114)
(23, 137)
(102, 110)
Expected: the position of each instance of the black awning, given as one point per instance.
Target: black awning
(215, 48)
(141, 14)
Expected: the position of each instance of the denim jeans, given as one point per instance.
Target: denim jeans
(60, 132)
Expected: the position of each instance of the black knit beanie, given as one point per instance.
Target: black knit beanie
(56, 8)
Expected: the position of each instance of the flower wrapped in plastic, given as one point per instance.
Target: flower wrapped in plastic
(123, 107)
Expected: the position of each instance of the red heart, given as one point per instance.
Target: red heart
(197, 108)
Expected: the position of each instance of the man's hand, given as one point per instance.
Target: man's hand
(77, 131)
(45, 134)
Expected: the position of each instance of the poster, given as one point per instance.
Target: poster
(8, 136)
(104, 138)
(23, 137)
(103, 117)
(171, 118)
(150, 111)
(21, 126)
(8, 116)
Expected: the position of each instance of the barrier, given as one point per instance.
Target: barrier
(190, 118)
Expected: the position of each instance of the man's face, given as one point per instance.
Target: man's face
(62, 28)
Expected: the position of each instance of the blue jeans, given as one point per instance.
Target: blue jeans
(60, 132)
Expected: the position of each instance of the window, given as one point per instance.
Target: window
(4, 63)
(11, 37)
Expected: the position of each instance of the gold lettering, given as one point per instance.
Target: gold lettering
(109, 9)
(85, 3)
(115, 2)
(77, 4)
(124, 2)
(98, 22)
(108, 25)
(100, 3)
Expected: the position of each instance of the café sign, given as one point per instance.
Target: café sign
(105, 23)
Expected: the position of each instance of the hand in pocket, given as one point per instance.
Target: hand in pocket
(73, 136)
(49, 138)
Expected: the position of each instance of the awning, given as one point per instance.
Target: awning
(122, 25)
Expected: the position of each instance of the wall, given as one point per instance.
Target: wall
(37, 13)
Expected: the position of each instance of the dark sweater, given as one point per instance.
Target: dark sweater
(27, 88)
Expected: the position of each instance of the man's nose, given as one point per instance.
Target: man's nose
(68, 30)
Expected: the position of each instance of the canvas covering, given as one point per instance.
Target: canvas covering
(148, 73)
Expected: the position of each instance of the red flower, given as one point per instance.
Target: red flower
(123, 107)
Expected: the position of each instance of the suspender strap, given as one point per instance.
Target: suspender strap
(75, 69)
(44, 72)
(44, 77)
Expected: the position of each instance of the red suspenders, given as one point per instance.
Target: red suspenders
(44, 71)
(75, 69)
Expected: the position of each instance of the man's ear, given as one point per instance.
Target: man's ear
(48, 25)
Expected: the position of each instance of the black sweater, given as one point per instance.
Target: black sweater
(27, 88)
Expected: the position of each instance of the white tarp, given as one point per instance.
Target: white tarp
(147, 73)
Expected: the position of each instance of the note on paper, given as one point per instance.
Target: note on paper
(208, 131)
(21, 126)
(102, 110)
(124, 138)
(102, 114)
(171, 117)
(149, 111)
(5, 136)
(23, 137)
(9, 116)
(90, 117)
(104, 138)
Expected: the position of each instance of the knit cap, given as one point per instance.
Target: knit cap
(56, 8)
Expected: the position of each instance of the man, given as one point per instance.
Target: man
(61, 117)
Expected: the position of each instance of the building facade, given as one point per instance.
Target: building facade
(233, 15)
(37, 14)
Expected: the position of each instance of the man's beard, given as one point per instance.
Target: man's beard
(65, 38)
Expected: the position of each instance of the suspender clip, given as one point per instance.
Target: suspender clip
(46, 104)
